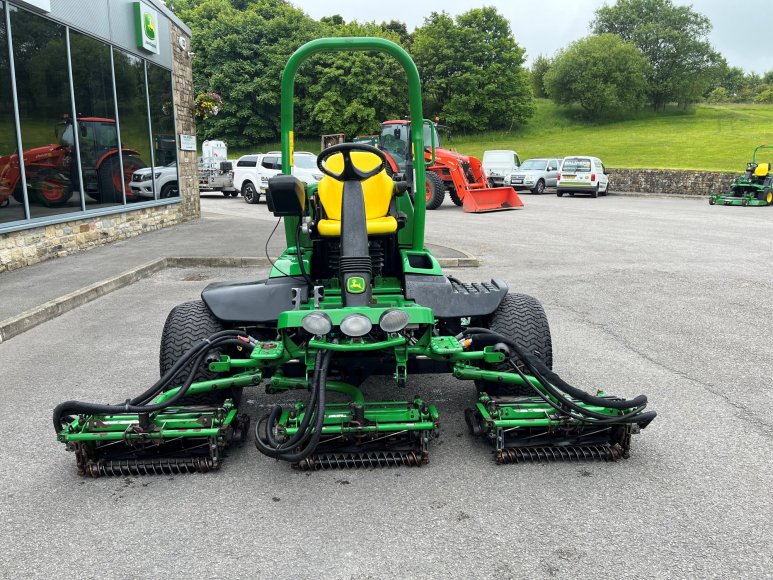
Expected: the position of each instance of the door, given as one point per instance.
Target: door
(551, 173)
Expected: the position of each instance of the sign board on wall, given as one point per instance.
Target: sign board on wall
(187, 142)
(146, 25)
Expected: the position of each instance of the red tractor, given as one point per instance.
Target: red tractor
(462, 175)
(52, 172)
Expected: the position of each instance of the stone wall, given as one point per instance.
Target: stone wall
(668, 181)
(182, 83)
(26, 247)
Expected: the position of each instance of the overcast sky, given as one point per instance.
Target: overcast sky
(544, 26)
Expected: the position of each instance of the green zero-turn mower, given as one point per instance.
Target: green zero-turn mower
(754, 187)
(355, 294)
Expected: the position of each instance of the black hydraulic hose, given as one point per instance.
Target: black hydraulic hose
(586, 415)
(181, 362)
(311, 408)
(79, 407)
(542, 372)
(318, 411)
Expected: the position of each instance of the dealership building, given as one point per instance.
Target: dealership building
(97, 95)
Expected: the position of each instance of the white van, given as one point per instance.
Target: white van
(582, 174)
(252, 172)
(499, 164)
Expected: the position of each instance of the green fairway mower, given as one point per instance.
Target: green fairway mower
(354, 294)
(754, 187)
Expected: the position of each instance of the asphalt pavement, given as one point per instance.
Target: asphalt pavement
(671, 298)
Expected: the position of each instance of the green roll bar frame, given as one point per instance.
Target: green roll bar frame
(355, 44)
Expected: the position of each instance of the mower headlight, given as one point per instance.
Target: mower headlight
(317, 323)
(393, 320)
(356, 325)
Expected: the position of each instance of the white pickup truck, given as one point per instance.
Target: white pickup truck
(252, 172)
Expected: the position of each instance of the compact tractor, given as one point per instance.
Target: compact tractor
(462, 175)
(52, 170)
(354, 294)
(754, 187)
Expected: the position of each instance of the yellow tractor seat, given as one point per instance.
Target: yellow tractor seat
(377, 192)
(762, 170)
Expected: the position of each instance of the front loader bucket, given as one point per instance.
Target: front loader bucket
(491, 199)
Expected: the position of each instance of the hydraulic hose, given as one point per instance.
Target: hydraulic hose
(316, 409)
(538, 370)
(311, 407)
(136, 405)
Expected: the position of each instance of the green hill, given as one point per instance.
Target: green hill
(708, 137)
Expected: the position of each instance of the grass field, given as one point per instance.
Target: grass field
(707, 137)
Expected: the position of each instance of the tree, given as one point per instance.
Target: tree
(472, 70)
(600, 73)
(539, 69)
(352, 92)
(240, 54)
(673, 38)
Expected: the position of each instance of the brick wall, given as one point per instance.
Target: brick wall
(26, 247)
(668, 181)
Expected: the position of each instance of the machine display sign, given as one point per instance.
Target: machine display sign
(146, 24)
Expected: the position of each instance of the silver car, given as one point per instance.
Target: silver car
(535, 175)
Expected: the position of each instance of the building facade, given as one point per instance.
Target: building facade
(98, 97)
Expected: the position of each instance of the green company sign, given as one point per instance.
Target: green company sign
(146, 25)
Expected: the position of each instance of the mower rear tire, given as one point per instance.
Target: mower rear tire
(435, 191)
(522, 319)
(454, 195)
(187, 325)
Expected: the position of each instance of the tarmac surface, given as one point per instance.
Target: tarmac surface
(671, 298)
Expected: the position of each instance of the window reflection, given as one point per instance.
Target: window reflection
(162, 126)
(11, 200)
(43, 89)
(97, 134)
(133, 115)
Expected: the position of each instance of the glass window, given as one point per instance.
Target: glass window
(270, 163)
(135, 133)
(97, 134)
(43, 89)
(11, 195)
(247, 162)
(163, 132)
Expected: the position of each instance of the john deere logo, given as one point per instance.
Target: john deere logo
(146, 27)
(355, 285)
(150, 29)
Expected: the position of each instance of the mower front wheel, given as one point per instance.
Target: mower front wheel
(187, 325)
(522, 319)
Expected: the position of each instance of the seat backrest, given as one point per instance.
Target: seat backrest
(762, 170)
(377, 190)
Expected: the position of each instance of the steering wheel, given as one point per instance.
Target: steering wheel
(350, 172)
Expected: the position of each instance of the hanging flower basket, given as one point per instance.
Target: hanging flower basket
(207, 105)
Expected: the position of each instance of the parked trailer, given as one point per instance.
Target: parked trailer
(215, 171)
